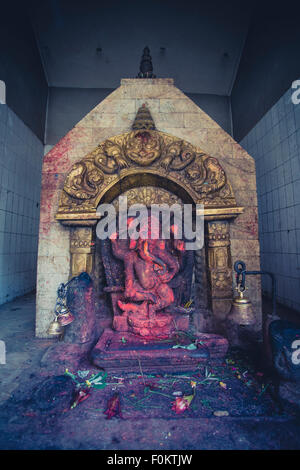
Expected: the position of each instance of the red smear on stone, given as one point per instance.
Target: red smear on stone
(52, 180)
(55, 166)
(57, 160)
(46, 207)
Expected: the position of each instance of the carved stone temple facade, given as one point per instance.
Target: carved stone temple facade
(187, 158)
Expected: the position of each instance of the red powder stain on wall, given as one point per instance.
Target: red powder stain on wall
(46, 216)
(56, 162)
(251, 224)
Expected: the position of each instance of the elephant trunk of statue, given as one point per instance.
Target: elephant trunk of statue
(148, 256)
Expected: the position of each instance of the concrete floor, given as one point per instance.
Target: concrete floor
(23, 350)
(285, 313)
(248, 426)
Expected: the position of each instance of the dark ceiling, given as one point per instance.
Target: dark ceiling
(93, 44)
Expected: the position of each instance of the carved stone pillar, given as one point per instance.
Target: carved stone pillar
(82, 250)
(219, 268)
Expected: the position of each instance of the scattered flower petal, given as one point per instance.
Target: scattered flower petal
(113, 407)
(80, 396)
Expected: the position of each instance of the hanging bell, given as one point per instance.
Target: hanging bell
(55, 329)
(65, 316)
(241, 311)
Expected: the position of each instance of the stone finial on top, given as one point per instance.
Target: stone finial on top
(146, 67)
(143, 120)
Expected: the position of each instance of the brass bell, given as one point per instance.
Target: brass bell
(65, 316)
(241, 311)
(55, 329)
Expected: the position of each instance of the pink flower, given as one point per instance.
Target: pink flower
(182, 403)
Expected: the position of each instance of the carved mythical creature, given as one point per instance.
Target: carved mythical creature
(206, 176)
(108, 157)
(129, 153)
(143, 146)
(178, 155)
(82, 183)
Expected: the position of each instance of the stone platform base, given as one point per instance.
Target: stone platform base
(125, 351)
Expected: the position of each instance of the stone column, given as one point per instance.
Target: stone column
(82, 250)
(219, 269)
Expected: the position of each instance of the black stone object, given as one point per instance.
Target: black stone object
(54, 393)
(146, 67)
(81, 302)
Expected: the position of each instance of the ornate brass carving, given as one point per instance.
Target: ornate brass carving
(108, 157)
(206, 175)
(148, 195)
(83, 181)
(143, 119)
(166, 156)
(178, 155)
(82, 250)
(143, 147)
(219, 268)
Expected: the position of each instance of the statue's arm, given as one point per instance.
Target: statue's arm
(172, 264)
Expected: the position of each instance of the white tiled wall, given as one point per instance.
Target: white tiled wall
(21, 154)
(275, 144)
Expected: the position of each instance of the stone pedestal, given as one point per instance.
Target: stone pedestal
(120, 351)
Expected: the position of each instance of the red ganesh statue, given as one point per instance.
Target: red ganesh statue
(149, 265)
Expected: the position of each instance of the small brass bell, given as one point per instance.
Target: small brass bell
(241, 311)
(55, 329)
(65, 316)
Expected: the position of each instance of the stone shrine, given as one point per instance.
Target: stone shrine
(150, 143)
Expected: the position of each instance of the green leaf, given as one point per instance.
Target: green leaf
(99, 386)
(83, 373)
(101, 376)
(190, 347)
